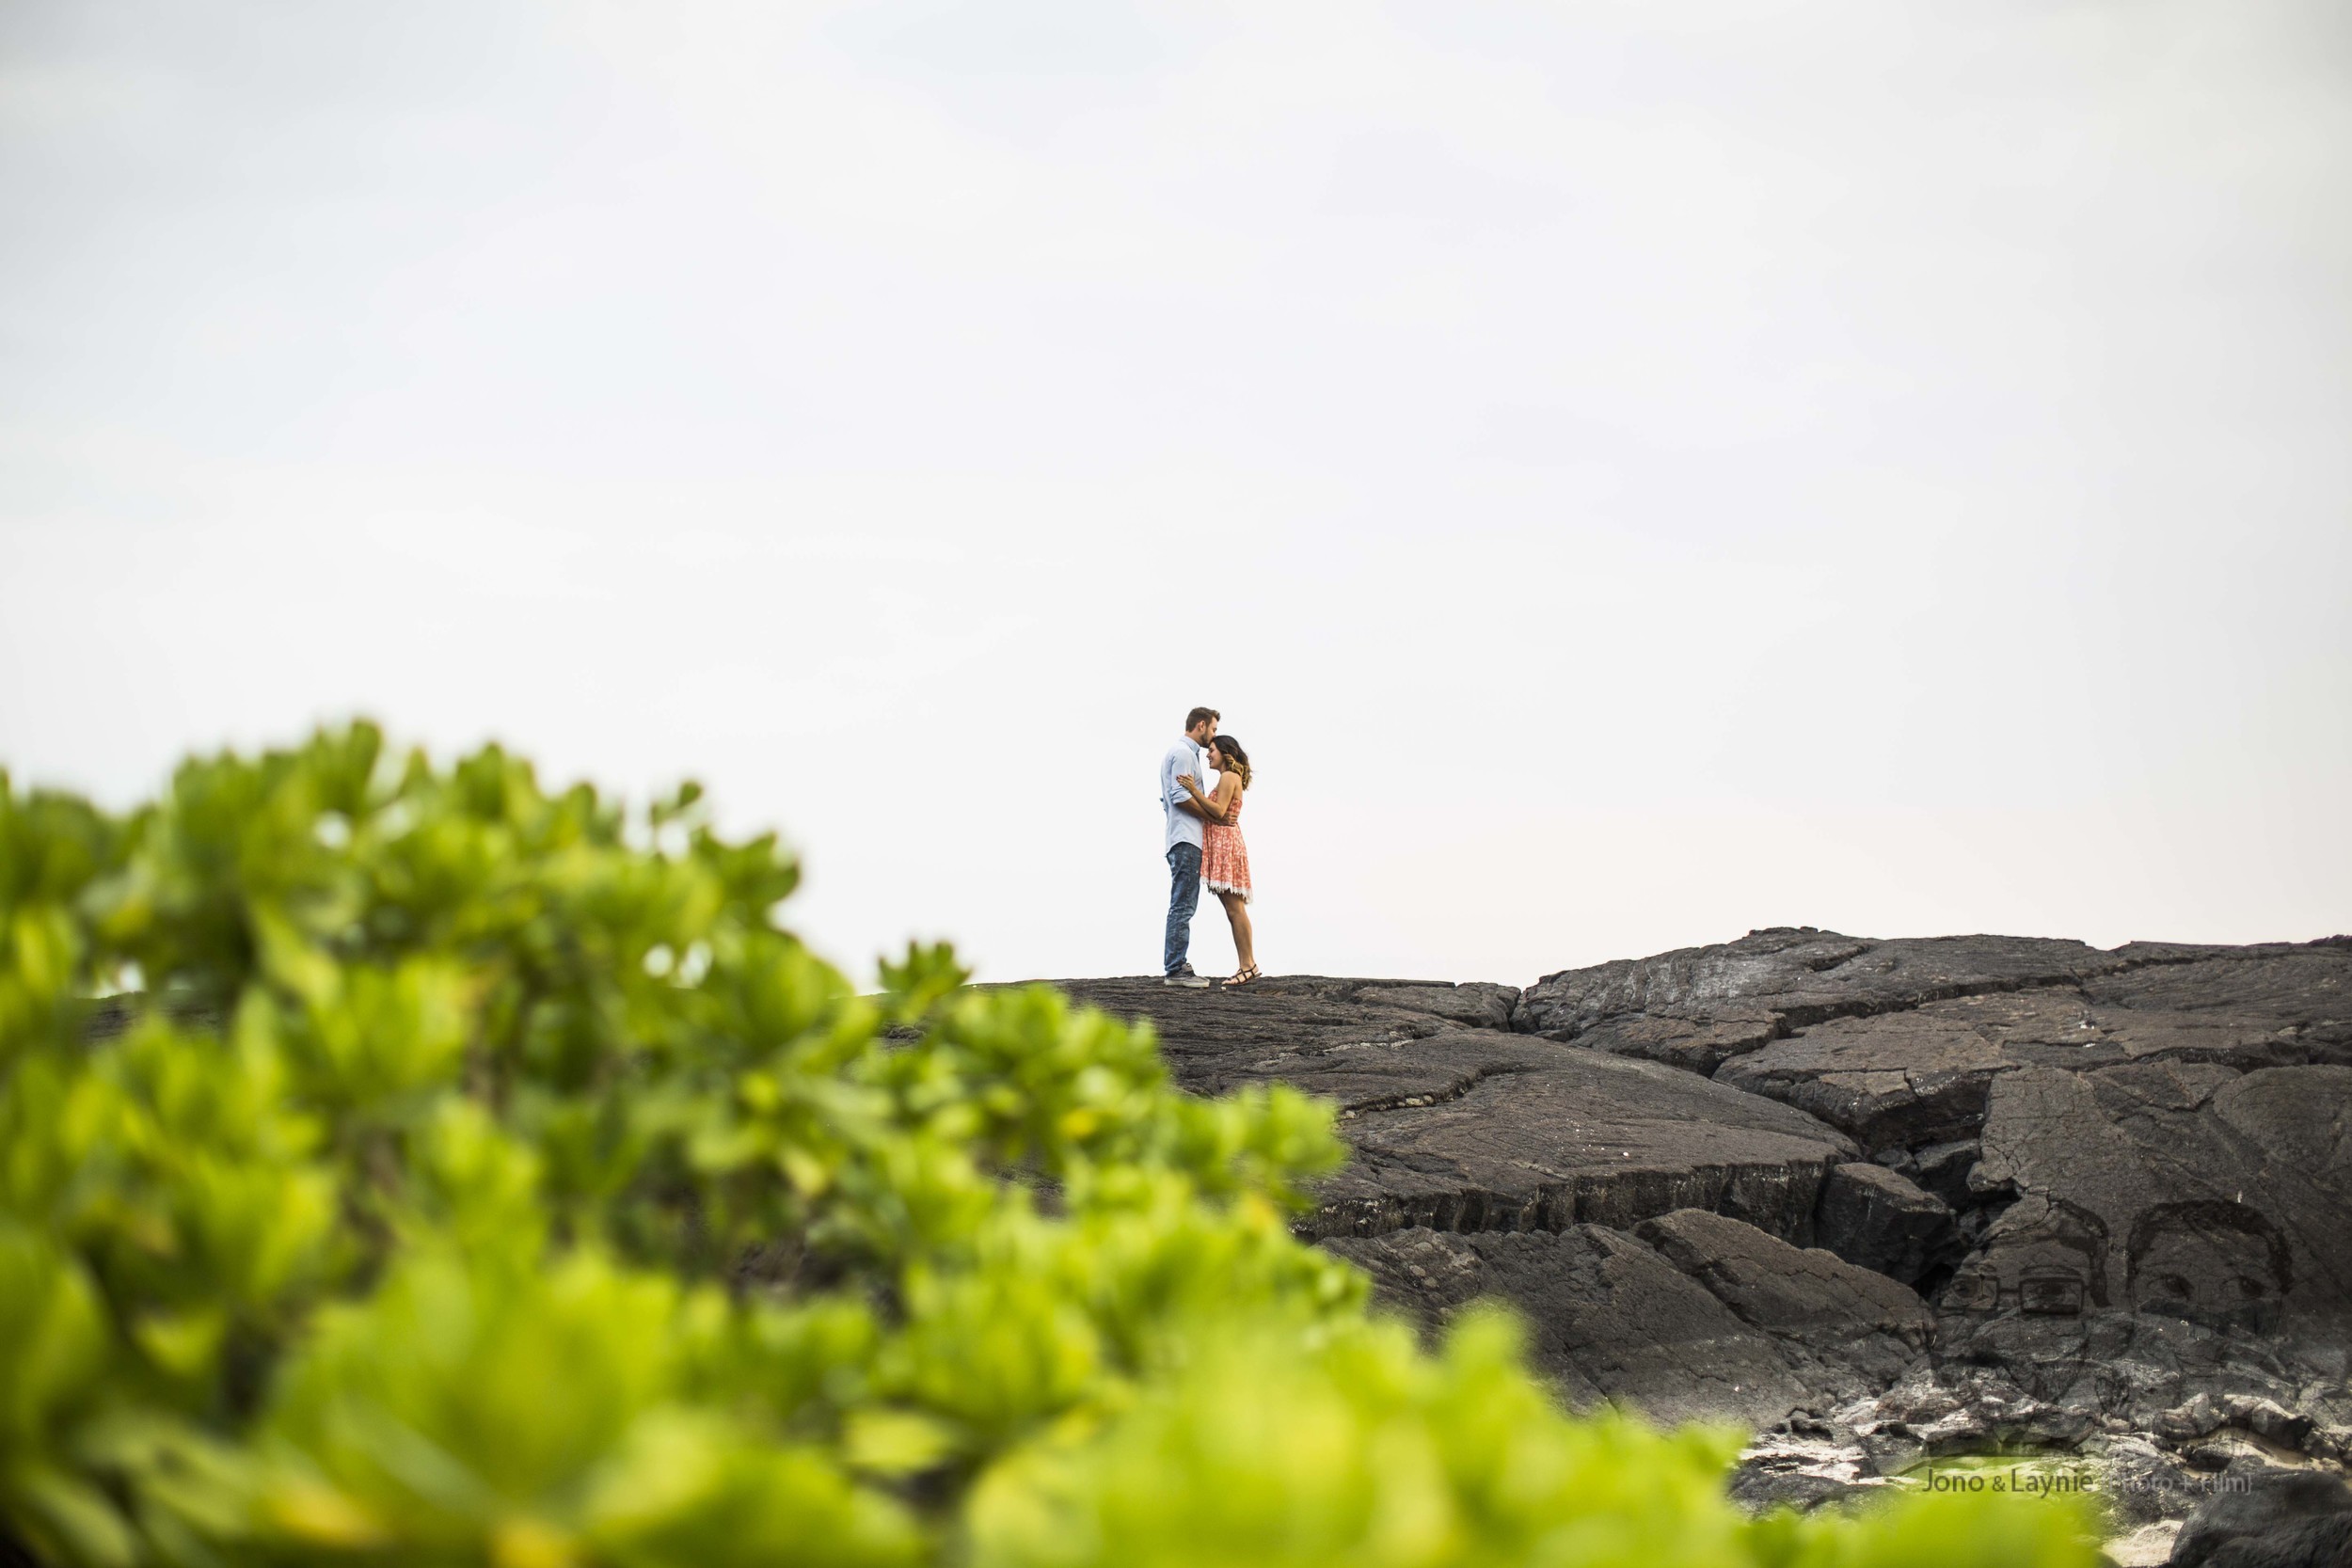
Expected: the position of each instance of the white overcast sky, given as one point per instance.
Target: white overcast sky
(1631, 473)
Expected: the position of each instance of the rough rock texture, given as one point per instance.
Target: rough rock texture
(2122, 1178)
(2182, 1187)
(1799, 976)
(1611, 1320)
(1921, 1076)
(1692, 1315)
(1842, 1329)
(1582, 1138)
(1880, 1219)
(2172, 1118)
(1468, 1129)
(2321, 1543)
(2265, 1523)
(1341, 1032)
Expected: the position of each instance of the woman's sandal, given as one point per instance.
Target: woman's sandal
(1242, 977)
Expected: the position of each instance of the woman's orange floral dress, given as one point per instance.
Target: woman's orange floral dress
(1224, 858)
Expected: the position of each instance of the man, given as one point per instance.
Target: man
(1183, 845)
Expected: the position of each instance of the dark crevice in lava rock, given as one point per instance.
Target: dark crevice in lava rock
(1452, 1091)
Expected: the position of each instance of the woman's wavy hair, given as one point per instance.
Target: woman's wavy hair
(1229, 749)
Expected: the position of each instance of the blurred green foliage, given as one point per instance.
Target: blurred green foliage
(466, 1174)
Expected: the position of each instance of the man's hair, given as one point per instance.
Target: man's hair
(1196, 715)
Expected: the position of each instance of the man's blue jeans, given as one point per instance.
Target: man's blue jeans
(1184, 896)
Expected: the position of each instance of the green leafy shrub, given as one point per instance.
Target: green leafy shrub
(466, 1174)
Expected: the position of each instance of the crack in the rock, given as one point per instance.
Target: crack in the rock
(1316, 1051)
(1778, 1199)
(1367, 993)
(1421, 1099)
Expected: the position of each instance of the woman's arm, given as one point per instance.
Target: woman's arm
(1191, 805)
(1213, 807)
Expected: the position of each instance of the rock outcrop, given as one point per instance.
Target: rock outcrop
(2127, 1103)
(1471, 1129)
(1610, 1318)
(1880, 1219)
(1842, 1329)
(1888, 1199)
(2289, 1520)
(1691, 1316)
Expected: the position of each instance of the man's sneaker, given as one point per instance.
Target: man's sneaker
(1185, 977)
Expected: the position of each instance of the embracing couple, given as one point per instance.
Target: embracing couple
(1204, 844)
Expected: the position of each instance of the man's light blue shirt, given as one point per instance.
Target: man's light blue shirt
(1182, 827)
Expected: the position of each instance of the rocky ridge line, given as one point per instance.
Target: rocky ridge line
(2107, 1193)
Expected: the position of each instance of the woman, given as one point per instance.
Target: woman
(1224, 858)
